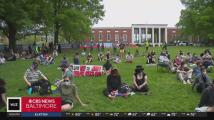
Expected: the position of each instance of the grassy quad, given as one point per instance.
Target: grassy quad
(167, 93)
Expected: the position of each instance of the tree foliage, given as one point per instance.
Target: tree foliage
(197, 18)
(72, 18)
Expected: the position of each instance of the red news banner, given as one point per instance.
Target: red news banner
(41, 104)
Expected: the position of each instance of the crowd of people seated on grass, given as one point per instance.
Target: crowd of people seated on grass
(44, 54)
(189, 69)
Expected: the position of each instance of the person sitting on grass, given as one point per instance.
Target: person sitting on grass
(114, 84)
(3, 100)
(108, 55)
(176, 62)
(140, 80)
(67, 91)
(100, 56)
(167, 55)
(184, 73)
(49, 60)
(163, 60)
(129, 58)
(89, 58)
(117, 59)
(107, 67)
(2, 59)
(64, 62)
(76, 59)
(202, 82)
(206, 103)
(55, 54)
(32, 76)
(207, 59)
(150, 59)
(12, 56)
(67, 71)
(83, 53)
(197, 70)
(189, 57)
(137, 53)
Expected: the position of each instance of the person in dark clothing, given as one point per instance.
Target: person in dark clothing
(103, 47)
(202, 82)
(30, 50)
(98, 47)
(207, 99)
(2, 93)
(59, 48)
(140, 80)
(64, 62)
(76, 59)
(107, 67)
(114, 85)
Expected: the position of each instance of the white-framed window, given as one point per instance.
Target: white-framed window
(108, 36)
(116, 37)
(124, 37)
(100, 37)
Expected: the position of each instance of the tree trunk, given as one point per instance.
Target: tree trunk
(12, 37)
(56, 33)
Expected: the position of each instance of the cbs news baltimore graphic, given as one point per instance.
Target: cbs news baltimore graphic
(34, 106)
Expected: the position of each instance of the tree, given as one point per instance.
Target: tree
(198, 18)
(17, 16)
(75, 17)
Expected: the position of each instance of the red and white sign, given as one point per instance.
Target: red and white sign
(41, 104)
(87, 70)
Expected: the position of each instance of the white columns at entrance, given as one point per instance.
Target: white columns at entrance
(153, 32)
(146, 33)
(166, 35)
(159, 37)
(140, 34)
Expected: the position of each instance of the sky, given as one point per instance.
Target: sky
(123, 13)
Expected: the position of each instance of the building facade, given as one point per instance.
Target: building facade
(156, 34)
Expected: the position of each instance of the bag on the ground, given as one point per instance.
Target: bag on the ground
(125, 89)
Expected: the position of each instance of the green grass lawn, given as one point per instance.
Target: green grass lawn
(167, 93)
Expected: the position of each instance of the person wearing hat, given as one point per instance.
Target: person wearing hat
(206, 103)
(32, 75)
(140, 80)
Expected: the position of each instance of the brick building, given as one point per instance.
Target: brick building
(156, 34)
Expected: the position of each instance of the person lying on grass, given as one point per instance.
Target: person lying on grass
(114, 85)
(206, 103)
(68, 92)
(184, 73)
(129, 58)
(140, 80)
(3, 100)
(32, 77)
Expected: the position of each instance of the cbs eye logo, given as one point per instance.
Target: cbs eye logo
(13, 104)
